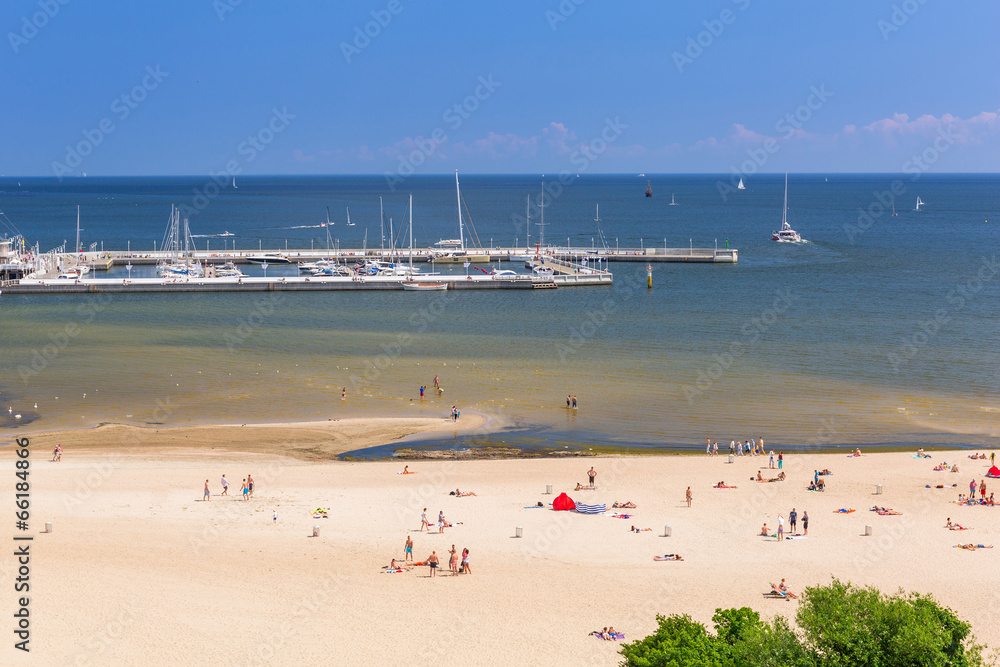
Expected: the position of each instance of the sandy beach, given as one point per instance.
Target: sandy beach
(139, 565)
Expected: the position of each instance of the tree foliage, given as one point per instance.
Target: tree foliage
(840, 625)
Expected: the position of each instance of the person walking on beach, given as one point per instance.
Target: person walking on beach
(440, 521)
(708, 447)
(250, 484)
(244, 490)
(408, 549)
(592, 474)
(732, 447)
(805, 522)
(715, 448)
(465, 562)
(781, 457)
(453, 560)
(792, 518)
(574, 402)
(208, 494)
(423, 521)
(433, 562)
(770, 462)
(437, 382)
(687, 495)
(569, 401)
(225, 485)
(781, 528)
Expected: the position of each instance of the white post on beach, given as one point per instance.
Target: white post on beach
(316, 530)
(878, 489)
(48, 526)
(548, 489)
(518, 531)
(868, 530)
(666, 531)
(730, 458)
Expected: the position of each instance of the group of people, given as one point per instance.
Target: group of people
(57, 454)
(442, 523)
(750, 447)
(246, 490)
(793, 518)
(571, 402)
(434, 563)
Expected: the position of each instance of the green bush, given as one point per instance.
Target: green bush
(840, 626)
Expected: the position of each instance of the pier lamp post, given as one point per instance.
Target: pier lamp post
(263, 265)
(128, 267)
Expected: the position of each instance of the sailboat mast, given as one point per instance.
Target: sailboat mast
(458, 197)
(527, 226)
(541, 225)
(784, 211)
(77, 247)
(411, 233)
(381, 227)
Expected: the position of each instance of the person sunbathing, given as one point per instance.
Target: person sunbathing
(722, 485)
(920, 453)
(464, 493)
(668, 557)
(763, 531)
(581, 487)
(825, 472)
(954, 468)
(857, 452)
(939, 468)
(973, 547)
(759, 478)
(783, 589)
(625, 505)
(843, 510)
(955, 526)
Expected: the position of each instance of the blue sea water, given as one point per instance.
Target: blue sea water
(877, 329)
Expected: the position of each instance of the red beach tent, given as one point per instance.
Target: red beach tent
(994, 472)
(563, 502)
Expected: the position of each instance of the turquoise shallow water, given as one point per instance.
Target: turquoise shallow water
(884, 332)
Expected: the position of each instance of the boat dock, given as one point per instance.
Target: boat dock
(105, 261)
(302, 284)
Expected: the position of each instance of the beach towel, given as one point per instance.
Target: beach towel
(619, 516)
(795, 537)
(843, 511)
(320, 512)
(396, 571)
(918, 456)
(591, 509)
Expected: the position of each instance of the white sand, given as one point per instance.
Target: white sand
(138, 569)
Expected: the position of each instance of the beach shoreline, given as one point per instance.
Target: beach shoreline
(133, 536)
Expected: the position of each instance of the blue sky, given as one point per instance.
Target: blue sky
(578, 85)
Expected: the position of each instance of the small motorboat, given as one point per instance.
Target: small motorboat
(424, 287)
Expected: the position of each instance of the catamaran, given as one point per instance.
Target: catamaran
(919, 204)
(786, 234)
(672, 201)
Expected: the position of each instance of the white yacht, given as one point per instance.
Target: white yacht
(786, 234)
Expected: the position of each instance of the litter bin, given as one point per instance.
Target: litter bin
(548, 489)
(666, 531)
(730, 458)
(48, 526)
(868, 530)
(518, 531)
(878, 489)
(316, 530)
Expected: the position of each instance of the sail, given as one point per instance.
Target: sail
(741, 186)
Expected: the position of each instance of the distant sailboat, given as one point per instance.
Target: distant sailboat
(349, 223)
(741, 186)
(328, 223)
(919, 204)
(234, 184)
(894, 214)
(649, 189)
(672, 202)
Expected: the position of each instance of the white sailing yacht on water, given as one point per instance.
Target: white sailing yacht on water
(919, 204)
(786, 234)
(740, 186)
(672, 201)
